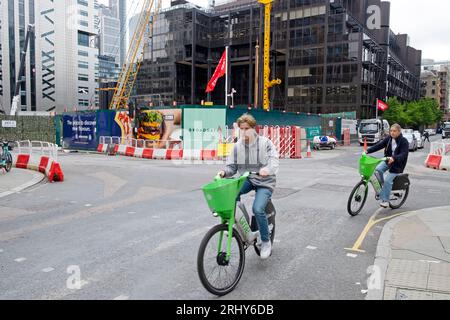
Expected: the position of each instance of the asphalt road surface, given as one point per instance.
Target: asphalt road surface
(131, 228)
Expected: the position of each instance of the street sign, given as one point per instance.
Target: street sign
(9, 124)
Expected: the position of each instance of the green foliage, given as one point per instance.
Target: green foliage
(415, 114)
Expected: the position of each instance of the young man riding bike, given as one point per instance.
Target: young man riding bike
(253, 153)
(396, 148)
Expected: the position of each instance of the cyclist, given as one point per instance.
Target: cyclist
(396, 149)
(253, 153)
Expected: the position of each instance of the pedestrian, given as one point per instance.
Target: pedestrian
(426, 136)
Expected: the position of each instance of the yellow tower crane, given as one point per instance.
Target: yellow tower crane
(135, 55)
(266, 66)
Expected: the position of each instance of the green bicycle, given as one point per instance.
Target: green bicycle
(358, 197)
(6, 160)
(221, 256)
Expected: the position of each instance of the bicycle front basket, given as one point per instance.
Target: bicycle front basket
(221, 196)
(367, 166)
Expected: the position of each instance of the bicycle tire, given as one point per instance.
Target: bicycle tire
(8, 165)
(200, 261)
(405, 197)
(350, 199)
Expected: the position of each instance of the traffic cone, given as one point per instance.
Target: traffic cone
(308, 153)
(365, 144)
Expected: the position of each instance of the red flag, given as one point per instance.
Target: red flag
(220, 72)
(382, 106)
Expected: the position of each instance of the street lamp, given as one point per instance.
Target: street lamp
(232, 96)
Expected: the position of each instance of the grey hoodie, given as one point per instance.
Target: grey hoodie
(253, 157)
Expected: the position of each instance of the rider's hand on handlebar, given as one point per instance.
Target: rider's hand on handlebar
(264, 172)
(221, 174)
(391, 160)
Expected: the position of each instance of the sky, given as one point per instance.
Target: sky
(426, 22)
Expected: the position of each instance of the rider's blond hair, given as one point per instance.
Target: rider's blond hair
(247, 118)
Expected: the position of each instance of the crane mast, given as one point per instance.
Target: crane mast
(267, 83)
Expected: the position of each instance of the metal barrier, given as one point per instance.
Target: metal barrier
(39, 148)
(141, 143)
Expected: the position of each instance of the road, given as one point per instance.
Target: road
(132, 228)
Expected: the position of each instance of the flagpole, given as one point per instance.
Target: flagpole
(376, 108)
(226, 76)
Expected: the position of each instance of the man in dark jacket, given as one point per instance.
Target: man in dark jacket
(396, 149)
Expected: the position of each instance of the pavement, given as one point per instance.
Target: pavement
(413, 257)
(18, 180)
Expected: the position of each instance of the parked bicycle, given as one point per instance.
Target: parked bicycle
(358, 197)
(6, 160)
(221, 256)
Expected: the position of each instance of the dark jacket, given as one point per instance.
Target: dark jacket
(400, 155)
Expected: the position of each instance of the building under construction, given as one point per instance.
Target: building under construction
(322, 50)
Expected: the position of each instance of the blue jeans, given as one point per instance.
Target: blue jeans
(387, 182)
(262, 197)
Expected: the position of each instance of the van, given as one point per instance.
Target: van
(373, 131)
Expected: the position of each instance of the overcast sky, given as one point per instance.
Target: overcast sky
(427, 23)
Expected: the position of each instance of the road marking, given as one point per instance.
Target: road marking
(428, 261)
(20, 259)
(155, 217)
(277, 241)
(180, 221)
(176, 241)
(358, 283)
(311, 248)
(72, 202)
(46, 270)
(370, 224)
(352, 255)
(88, 205)
(131, 212)
(1, 250)
(122, 297)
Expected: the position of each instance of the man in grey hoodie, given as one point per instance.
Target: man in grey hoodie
(253, 153)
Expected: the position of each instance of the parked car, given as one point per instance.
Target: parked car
(411, 140)
(324, 142)
(420, 140)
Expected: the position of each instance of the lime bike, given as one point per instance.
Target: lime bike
(6, 160)
(221, 256)
(367, 170)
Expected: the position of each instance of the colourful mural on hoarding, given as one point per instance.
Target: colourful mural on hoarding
(124, 121)
(160, 128)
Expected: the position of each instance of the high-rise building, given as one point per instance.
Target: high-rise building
(328, 58)
(61, 62)
(435, 79)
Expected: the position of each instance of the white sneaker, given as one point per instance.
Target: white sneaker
(384, 204)
(266, 250)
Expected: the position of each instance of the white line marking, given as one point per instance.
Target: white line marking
(1, 250)
(46, 270)
(88, 205)
(311, 248)
(277, 241)
(364, 291)
(131, 212)
(351, 255)
(358, 283)
(72, 202)
(427, 261)
(121, 297)
(155, 217)
(20, 259)
(180, 221)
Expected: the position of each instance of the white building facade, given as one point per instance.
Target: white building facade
(61, 62)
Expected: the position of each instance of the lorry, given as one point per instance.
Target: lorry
(446, 130)
(372, 130)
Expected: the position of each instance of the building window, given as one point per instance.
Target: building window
(83, 3)
(83, 77)
(83, 53)
(83, 103)
(83, 90)
(83, 39)
(83, 64)
(83, 23)
(83, 13)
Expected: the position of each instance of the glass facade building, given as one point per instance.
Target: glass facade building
(327, 57)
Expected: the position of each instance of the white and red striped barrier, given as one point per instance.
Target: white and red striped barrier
(439, 156)
(161, 154)
(44, 164)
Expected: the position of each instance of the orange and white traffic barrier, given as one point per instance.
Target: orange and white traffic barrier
(439, 156)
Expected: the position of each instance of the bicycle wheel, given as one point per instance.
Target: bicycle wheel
(399, 200)
(357, 198)
(217, 275)
(9, 162)
(270, 210)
